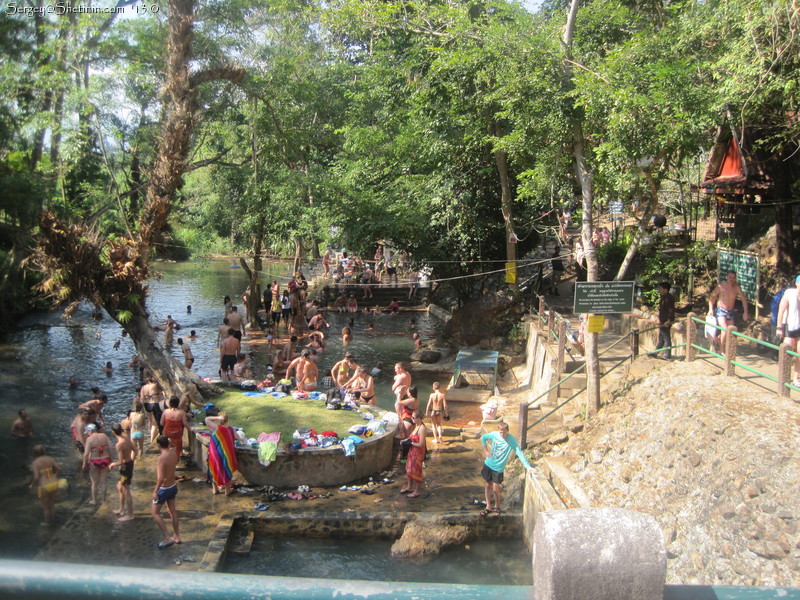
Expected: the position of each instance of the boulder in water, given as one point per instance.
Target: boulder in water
(424, 538)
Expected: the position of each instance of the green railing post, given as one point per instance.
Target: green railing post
(551, 323)
(784, 370)
(691, 336)
(634, 343)
(522, 437)
(730, 351)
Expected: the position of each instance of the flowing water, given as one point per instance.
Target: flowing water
(38, 358)
(503, 562)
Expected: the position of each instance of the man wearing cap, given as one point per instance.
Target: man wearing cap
(788, 326)
(96, 460)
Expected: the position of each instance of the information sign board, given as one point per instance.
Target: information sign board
(615, 207)
(746, 267)
(603, 297)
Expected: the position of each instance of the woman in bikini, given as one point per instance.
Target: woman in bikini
(96, 459)
(138, 424)
(363, 386)
(173, 422)
(45, 477)
(416, 457)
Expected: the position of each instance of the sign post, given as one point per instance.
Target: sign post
(603, 297)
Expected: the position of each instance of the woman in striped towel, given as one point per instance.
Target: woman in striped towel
(221, 454)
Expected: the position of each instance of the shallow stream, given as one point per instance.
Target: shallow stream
(38, 358)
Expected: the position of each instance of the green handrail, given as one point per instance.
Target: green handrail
(757, 341)
(552, 387)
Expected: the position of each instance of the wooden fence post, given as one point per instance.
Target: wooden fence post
(730, 351)
(562, 347)
(551, 323)
(541, 310)
(634, 343)
(784, 370)
(522, 437)
(691, 336)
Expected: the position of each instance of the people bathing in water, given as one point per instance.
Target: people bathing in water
(138, 425)
(96, 459)
(125, 456)
(22, 427)
(108, 369)
(46, 472)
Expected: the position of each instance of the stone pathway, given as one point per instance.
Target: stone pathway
(94, 536)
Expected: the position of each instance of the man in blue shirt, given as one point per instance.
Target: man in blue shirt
(497, 447)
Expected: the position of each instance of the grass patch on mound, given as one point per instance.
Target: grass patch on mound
(268, 414)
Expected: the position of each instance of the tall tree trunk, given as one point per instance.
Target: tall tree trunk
(584, 177)
(506, 205)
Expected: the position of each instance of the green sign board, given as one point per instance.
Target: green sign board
(603, 297)
(746, 266)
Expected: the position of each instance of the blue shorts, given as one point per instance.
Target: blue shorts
(165, 494)
(724, 313)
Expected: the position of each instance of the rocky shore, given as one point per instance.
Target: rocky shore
(714, 459)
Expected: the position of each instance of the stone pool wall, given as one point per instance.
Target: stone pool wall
(307, 466)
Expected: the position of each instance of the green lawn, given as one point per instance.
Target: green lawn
(267, 414)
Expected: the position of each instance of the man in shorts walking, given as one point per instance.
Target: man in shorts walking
(788, 325)
(724, 298)
(497, 446)
(165, 491)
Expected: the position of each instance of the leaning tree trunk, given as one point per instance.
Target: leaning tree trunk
(77, 264)
(649, 209)
(171, 374)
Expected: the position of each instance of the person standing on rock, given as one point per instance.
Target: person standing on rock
(666, 317)
(497, 447)
(788, 327)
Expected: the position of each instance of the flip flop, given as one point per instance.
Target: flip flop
(485, 512)
(164, 545)
(413, 496)
(404, 491)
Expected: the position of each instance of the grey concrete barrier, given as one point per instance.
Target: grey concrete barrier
(598, 554)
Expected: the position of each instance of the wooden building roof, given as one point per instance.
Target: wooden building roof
(735, 166)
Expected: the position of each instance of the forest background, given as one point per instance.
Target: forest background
(438, 126)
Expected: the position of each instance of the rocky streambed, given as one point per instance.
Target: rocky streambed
(714, 459)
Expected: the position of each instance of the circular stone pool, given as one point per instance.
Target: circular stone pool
(308, 466)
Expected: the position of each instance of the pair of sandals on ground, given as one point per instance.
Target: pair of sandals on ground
(407, 490)
(490, 511)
